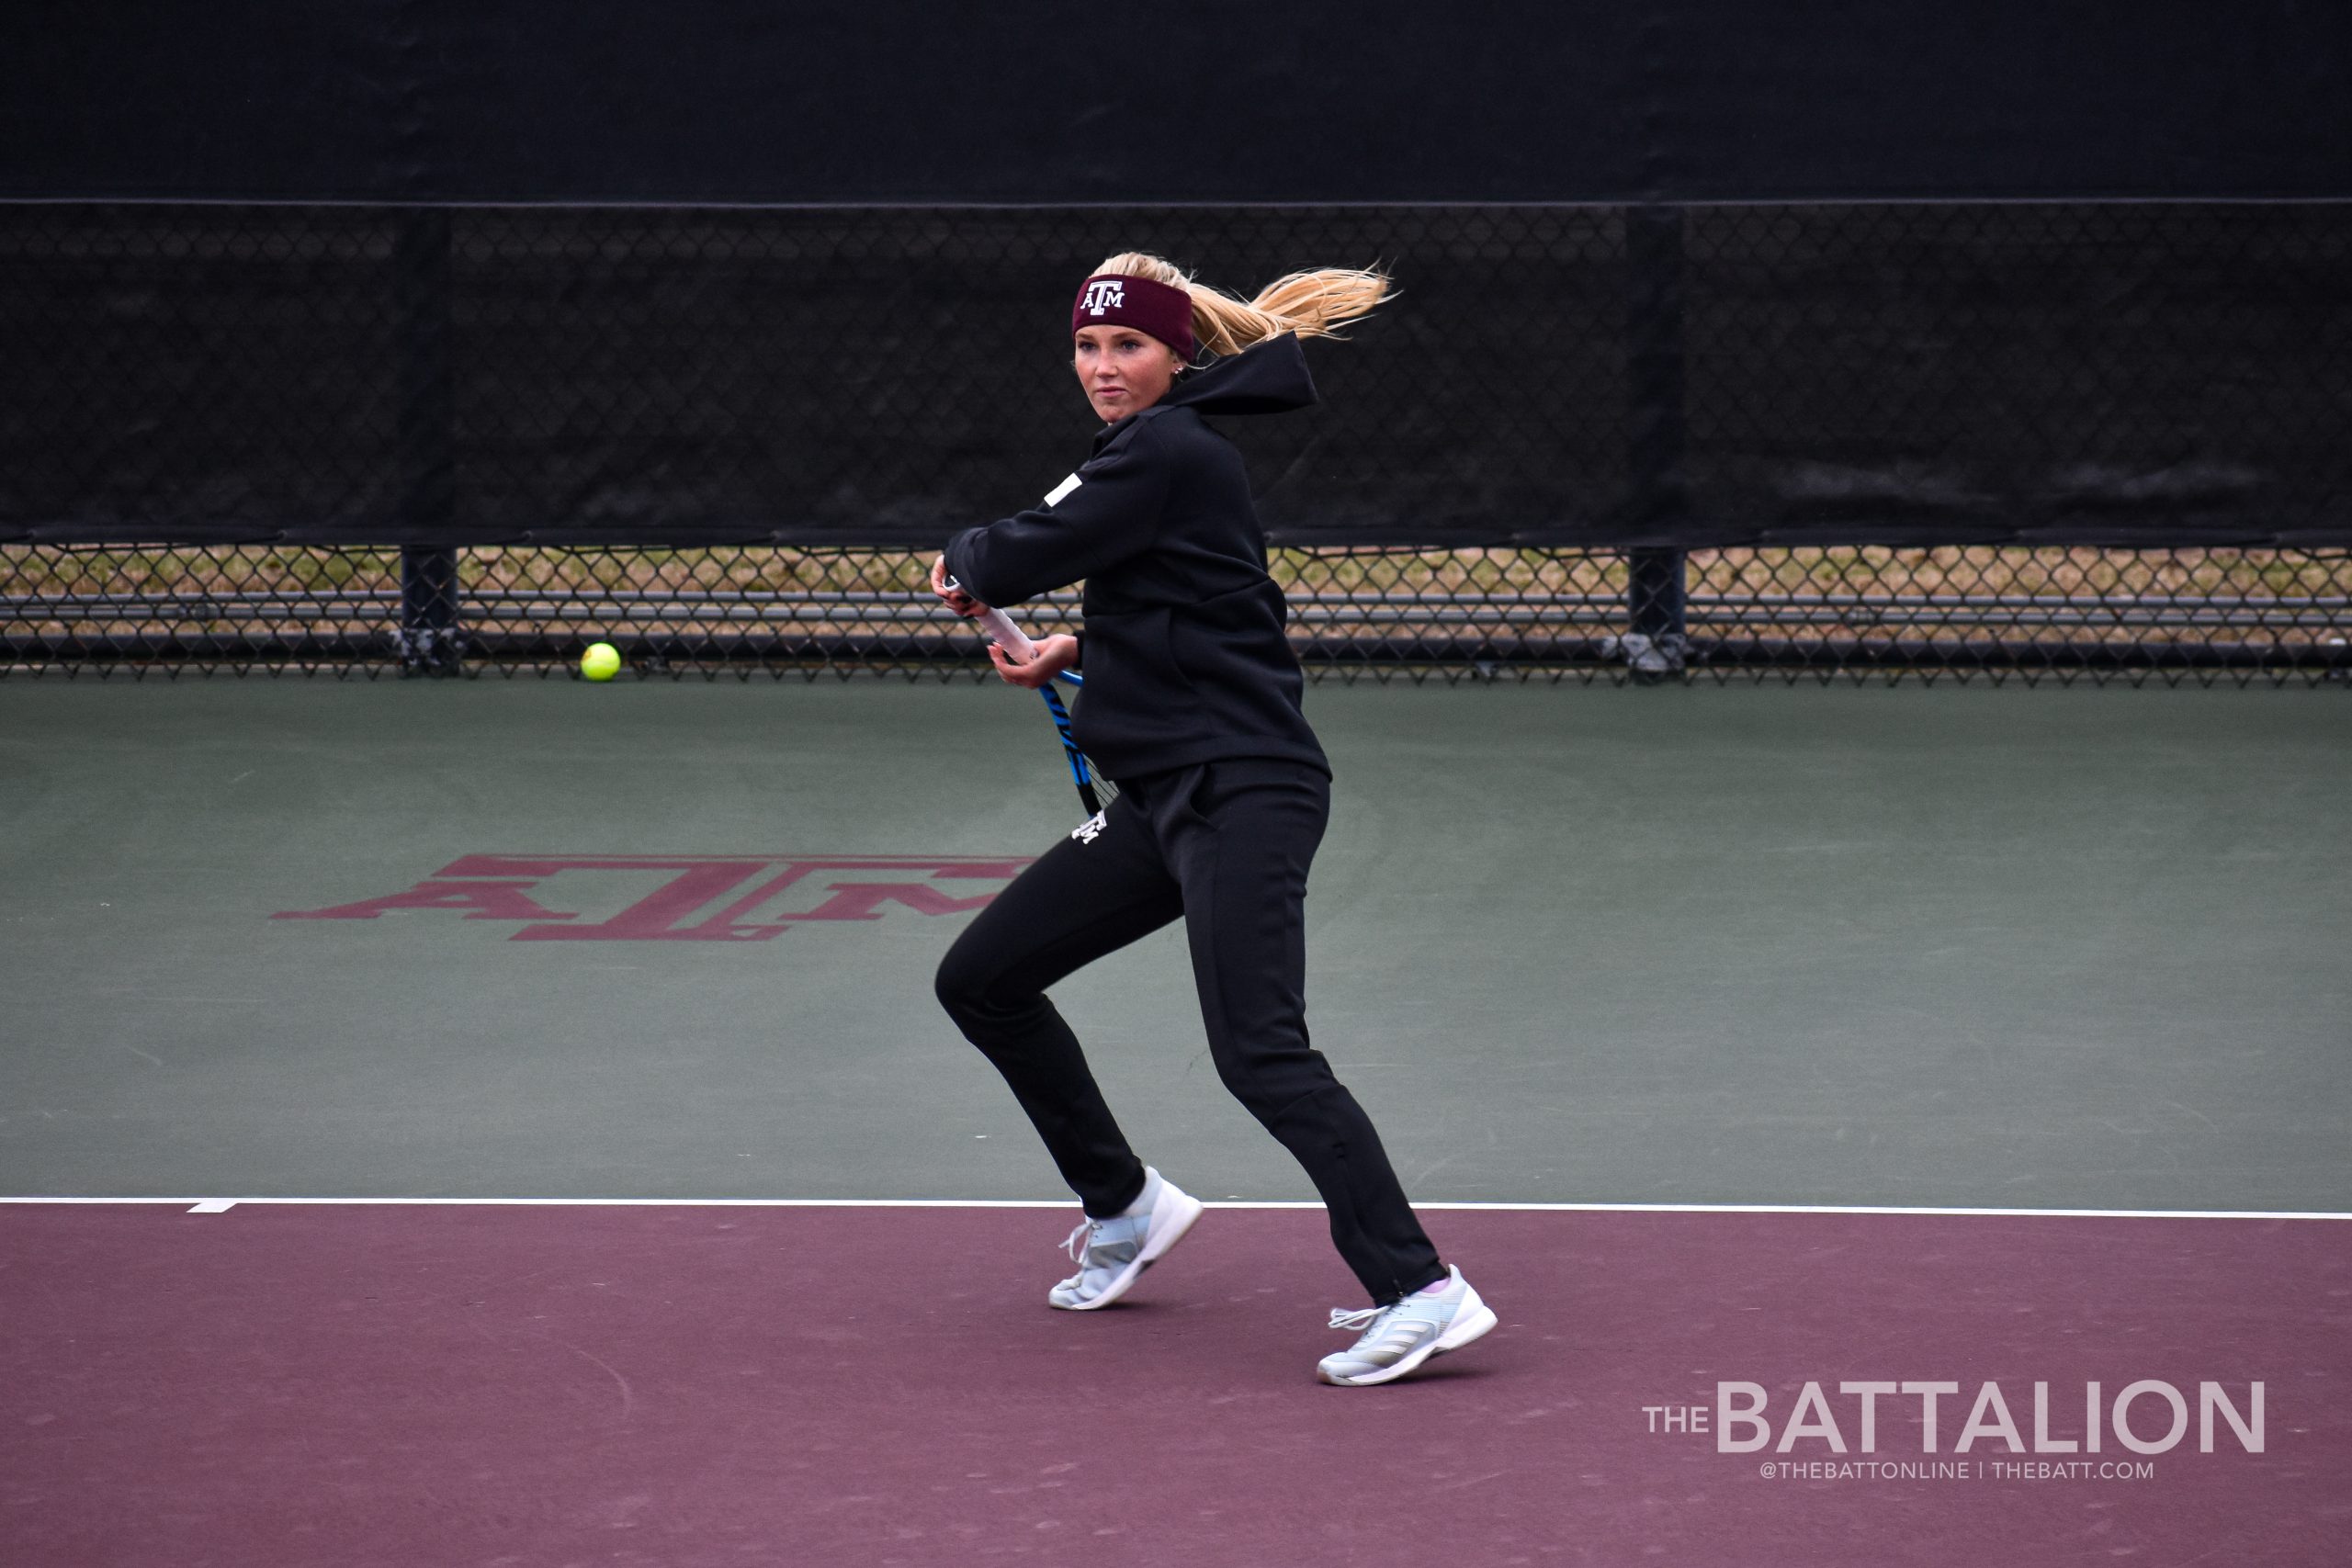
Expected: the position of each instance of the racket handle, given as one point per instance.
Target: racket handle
(1006, 635)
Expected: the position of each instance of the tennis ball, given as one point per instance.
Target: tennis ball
(601, 663)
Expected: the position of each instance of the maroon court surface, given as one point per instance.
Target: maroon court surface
(528, 1386)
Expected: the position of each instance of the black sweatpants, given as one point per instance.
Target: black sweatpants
(1224, 846)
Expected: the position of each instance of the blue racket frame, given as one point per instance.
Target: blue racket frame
(1081, 773)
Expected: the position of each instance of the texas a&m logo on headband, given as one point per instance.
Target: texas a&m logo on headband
(1145, 304)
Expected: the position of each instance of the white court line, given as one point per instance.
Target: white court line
(221, 1205)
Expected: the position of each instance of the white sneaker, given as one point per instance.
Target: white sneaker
(1111, 1254)
(1399, 1337)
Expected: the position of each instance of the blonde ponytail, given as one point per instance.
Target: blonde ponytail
(1308, 303)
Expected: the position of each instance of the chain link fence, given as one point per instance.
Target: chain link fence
(2015, 441)
(1992, 612)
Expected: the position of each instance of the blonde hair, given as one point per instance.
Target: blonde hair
(1308, 303)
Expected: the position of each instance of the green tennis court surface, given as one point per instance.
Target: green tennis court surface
(1834, 946)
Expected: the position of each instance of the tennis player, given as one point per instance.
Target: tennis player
(1192, 706)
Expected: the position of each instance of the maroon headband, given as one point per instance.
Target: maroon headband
(1115, 300)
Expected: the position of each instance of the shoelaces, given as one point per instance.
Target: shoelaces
(1377, 1320)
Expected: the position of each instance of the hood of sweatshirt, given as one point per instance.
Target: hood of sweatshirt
(1267, 377)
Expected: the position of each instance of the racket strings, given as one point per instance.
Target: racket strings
(1105, 792)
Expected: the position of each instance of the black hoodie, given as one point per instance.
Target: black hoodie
(1185, 660)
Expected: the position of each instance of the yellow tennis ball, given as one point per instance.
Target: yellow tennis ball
(601, 663)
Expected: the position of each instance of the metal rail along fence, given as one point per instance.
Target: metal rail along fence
(2065, 440)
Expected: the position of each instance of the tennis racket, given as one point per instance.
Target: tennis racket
(1094, 789)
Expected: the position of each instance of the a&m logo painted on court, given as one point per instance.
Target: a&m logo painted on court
(1104, 294)
(686, 897)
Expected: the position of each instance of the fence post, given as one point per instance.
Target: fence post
(430, 640)
(1657, 637)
